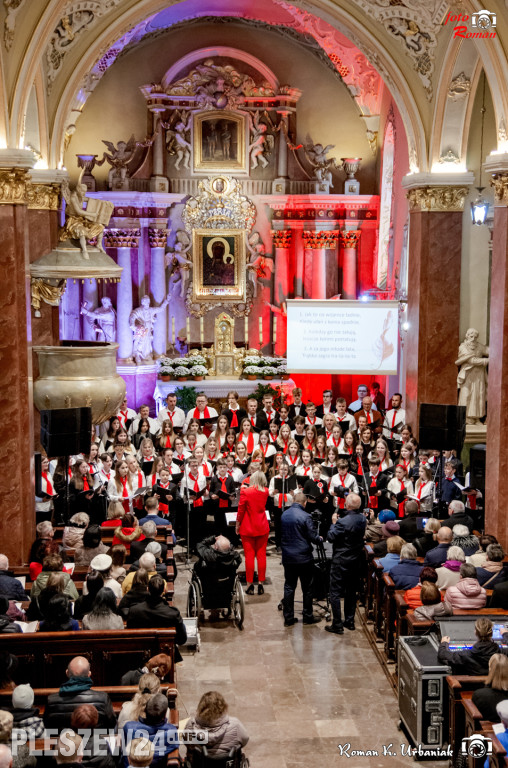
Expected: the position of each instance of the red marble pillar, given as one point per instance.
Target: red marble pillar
(17, 484)
(349, 244)
(497, 418)
(433, 296)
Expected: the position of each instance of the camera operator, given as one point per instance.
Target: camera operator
(298, 533)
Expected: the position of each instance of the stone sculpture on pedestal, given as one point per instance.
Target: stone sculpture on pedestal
(141, 322)
(472, 378)
(103, 319)
(81, 224)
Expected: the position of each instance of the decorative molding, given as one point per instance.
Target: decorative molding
(11, 10)
(49, 291)
(349, 239)
(219, 205)
(316, 240)
(282, 238)
(122, 238)
(500, 183)
(449, 157)
(13, 186)
(43, 197)
(437, 198)
(238, 309)
(502, 134)
(459, 87)
(157, 237)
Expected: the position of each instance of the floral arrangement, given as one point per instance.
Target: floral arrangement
(166, 366)
(180, 370)
(257, 365)
(269, 370)
(252, 370)
(198, 370)
(191, 365)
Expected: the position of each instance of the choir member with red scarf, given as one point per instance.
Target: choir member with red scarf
(311, 418)
(120, 488)
(406, 458)
(222, 489)
(232, 470)
(293, 454)
(212, 452)
(298, 433)
(192, 486)
(221, 430)
(180, 453)
(105, 472)
(397, 486)
(194, 436)
(241, 457)
(394, 420)
(304, 469)
(320, 449)
(123, 439)
(44, 507)
(316, 490)
(374, 418)
(257, 418)
(166, 437)
(247, 436)
(281, 489)
(125, 414)
(349, 443)
(376, 482)
(164, 483)
(137, 480)
(328, 425)
(204, 466)
(342, 484)
(383, 453)
(284, 438)
(424, 488)
(309, 441)
(297, 408)
(202, 412)
(283, 417)
(233, 412)
(167, 457)
(172, 412)
(80, 488)
(266, 446)
(360, 463)
(230, 444)
(336, 438)
(330, 464)
(269, 411)
(273, 431)
(342, 417)
(109, 438)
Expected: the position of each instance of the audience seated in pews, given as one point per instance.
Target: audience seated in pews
(8, 667)
(90, 548)
(394, 544)
(499, 597)
(44, 543)
(94, 582)
(53, 563)
(102, 564)
(407, 573)
(57, 615)
(409, 523)
(502, 737)
(448, 573)
(431, 603)
(149, 684)
(154, 548)
(224, 732)
(152, 513)
(493, 570)
(479, 558)
(495, 689)
(427, 540)
(467, 593)
(154, 725)
(468, 542)
(96, 751)
(140, 753)
(77, 690)
(137, 593)
(114, 515)
(73, 532)
(437, 556)
(10, 587)
(68, 750)
(159, 665)
(7, 625)
(154, 611)
(149, 530)
(21, 757)
(473, 661)
(127, 532)
(26, 717)
(104, 614)
(413, 596)
(390, 528)
(374, 530)
(457, 515)
(146, 561)
(118, 555)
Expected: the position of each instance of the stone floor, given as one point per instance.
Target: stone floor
(299, 691)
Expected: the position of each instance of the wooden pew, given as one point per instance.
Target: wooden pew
(474, 722)
(43, 656)
(498, 758)
(460, 687)
(389, 616)
(417, 626)
(117, 693)
(46, 748)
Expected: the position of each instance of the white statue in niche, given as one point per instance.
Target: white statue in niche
(261, 142)
(472, 378)
(177, 140)
(103, 319)
(259, 266)
(316, 154)
(141, 322)
(180, 272)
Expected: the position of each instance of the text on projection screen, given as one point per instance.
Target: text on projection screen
(342, 336)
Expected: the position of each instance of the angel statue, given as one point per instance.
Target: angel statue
(180, 266)
(262, 143)
(118, 157)
(316, 155)
(141, 322)
(177, 140)
(81, 224)
(259, 266)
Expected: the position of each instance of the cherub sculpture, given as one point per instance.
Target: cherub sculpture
(261, 143)
(177, 140)
(118, 157)
(180, 266)
(83, 224)
(259, 266)
(316, 155)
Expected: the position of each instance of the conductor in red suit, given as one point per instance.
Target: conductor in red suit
(253, 527)
(374, 418)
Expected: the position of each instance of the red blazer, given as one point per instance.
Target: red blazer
(252, 512)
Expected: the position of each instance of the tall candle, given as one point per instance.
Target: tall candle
(188, 332)
(201, 330)
(246, 331)
(274, 329)
(173, 330)
(233, 330)
(260, 332)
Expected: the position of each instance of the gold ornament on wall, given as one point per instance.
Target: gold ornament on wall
(437, 198)
(500, 183)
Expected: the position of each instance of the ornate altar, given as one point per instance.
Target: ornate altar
(225, 360)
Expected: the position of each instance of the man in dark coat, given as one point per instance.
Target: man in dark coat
(457, 516)
(298, 533)
(217, 552)
(408, 525)
(10, 587)
(138, 547)
(155, 612)
(75, 691)
(346, 534)
(437, 555)
(406, 574)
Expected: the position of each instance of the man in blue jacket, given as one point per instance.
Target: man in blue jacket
(298, 533)
(346, 534)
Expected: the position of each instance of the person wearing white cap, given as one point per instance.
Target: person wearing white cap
(26, 716)
(102, 564)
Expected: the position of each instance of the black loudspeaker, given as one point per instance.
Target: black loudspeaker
(477, 461)
(38, 470)
(66, 431)
(442, 427)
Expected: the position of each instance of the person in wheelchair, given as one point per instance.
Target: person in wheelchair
(226, 734)
(217, 557)
(214, 583)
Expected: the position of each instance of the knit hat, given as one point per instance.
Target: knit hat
(385, 515)
(101, 563)
(155, 548)
(390, 528)
(23, 697)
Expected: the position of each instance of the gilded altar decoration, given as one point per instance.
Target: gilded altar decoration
(218, 86)
(224, 359)
(219, 205)
(219, 264)
(122, 238)
(49, 291)
(219, 141)
(157, 237)
(315, 240)
(349, 239)
(437, 198)
(80, 224)
(13, 186)
(43, 197)
(282, 238)
(500, 183)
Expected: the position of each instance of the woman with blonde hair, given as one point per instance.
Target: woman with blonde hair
(253, 528)
(120, 488)
(224, 732)
(149, 684)
(74, 530)
(495, 688)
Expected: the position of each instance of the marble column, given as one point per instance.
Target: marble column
(17, 478)
(123, 240)
(158, 238)
(319, 243)
(282, 245)
(433, 297)
(158, 182)
(299, 256)
(91, 296)
(497, 417)
(280, 184)
(349, 245)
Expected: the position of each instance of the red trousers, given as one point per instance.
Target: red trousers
(255, 547)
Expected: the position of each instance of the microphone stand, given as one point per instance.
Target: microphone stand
(188, 506)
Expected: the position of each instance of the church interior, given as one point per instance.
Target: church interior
(181, 185)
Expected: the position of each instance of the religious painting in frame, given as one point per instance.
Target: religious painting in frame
(219, 264)
(220, 142)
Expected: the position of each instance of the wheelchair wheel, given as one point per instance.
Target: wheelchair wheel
(238, 605)
(194, 607)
